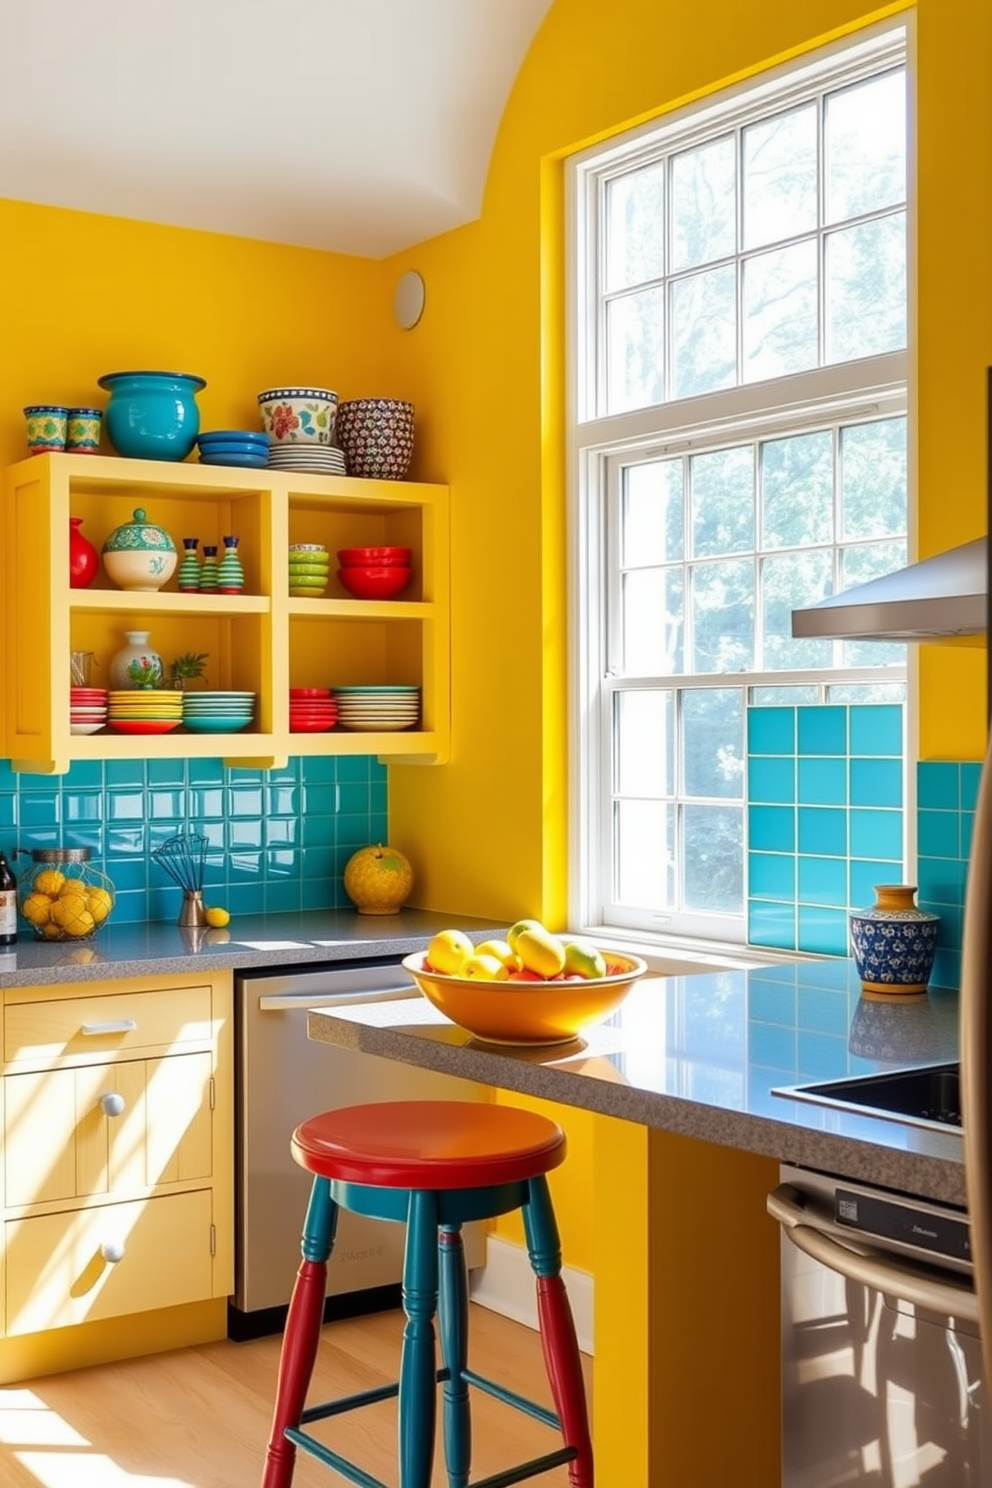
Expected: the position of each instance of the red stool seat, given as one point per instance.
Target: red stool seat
(429, 1144)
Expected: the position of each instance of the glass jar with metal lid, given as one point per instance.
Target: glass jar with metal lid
(62, 896)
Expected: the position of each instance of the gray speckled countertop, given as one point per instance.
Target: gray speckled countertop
(159, 949)
(699, 1055)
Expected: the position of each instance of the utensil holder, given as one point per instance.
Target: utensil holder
(191, 911)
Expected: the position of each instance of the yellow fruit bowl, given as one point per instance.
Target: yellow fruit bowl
(527, 1012)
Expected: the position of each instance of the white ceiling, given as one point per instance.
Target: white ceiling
(358, 126)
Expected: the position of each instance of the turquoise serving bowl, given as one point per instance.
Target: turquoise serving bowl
(152, 415)
(205, 724)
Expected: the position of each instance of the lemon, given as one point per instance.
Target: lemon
(99, 903)
(51, 932)
(37, 908)
(49, 881)
(66, 911)
(73, 886)
(81, 925)
(216, 917)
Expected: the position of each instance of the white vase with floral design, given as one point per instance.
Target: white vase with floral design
(139, 657)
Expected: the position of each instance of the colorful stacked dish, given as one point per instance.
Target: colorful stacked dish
(298, 415)
(312, 710)
(234, 447)
(371, 709)
(310, 459)
(87, 709)
(308, 568)
(218, 712)
(144, 710)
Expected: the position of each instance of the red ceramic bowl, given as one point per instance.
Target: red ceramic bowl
(309, 692)
(375, 583)
(374, 557)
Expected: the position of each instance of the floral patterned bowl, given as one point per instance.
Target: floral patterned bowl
(376, 435)
(298, 415)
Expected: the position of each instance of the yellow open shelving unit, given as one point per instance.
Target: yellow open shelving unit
(263, 640)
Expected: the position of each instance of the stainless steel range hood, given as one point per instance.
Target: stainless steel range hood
(941, 596)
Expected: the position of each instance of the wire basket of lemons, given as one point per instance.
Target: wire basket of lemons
(63, 897)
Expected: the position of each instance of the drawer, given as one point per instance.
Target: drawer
(112, 1129)
(58, 1275)
(124, 1022)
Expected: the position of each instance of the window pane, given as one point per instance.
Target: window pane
(651, 514)
(873, 481)
(797, 495)
(867, 692)
(644, 854)
(704, 204)
(789, 582)
(713, 859)
(652, 622)
(723, 616)
(780, 312)
(713, 741)
(704, 332)
(635, 350)
(780, 177)
(721, 501)
(635, 227)
(866, 289)
(865, 147)
(773, 697)
(857, 566)
(645, 743)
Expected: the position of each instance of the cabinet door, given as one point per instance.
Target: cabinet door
(87, 1264)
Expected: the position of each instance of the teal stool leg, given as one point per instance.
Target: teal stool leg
(418, 1377)
(561, 1349)
(453, 1319)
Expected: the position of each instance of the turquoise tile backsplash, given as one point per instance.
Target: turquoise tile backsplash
(278, 839)
(946, 793)
(825, 819)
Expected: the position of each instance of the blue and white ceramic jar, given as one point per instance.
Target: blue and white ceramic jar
(894, 941)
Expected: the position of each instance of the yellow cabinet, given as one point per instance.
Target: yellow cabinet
(116, 1165)
(263, 640)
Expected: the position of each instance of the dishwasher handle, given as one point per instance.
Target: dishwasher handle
(280, 1002)
(872, 1268)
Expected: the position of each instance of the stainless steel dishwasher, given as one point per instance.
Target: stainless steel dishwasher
(881, 1358)
(281, 1078)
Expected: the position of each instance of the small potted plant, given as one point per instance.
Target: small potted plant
(187, 668)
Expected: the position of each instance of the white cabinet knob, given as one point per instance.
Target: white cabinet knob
(113, 1104)
(112, 1251)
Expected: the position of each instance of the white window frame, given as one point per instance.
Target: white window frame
(872, 387)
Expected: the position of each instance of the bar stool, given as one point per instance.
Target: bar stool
(433, 1165)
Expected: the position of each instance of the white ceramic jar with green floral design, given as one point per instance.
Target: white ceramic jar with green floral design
(139, 555)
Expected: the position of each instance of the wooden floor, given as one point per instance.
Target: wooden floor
(199, 1418)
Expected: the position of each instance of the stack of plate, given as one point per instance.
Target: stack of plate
(371, 709)
(308, 568)
(312, 710)
(218, 712)
(312, 459)
(144, 710)
(87, 709)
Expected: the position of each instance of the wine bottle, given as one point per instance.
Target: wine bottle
(8, 903)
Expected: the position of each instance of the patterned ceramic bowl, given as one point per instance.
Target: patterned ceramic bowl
(298, 415)
(45, 427)
(376, 435)
(139, 555)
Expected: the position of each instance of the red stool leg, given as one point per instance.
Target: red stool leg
(558, 1341)
(302, 1334)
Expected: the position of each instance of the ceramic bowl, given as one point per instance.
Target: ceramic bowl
(527, 1012)
(298, 415)
(152, 415)
(139, 554)
(45, 427)
(375, 583)
(376, 435)
(374, 557)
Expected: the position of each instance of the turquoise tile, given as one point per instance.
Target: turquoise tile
(938, 834)
(288, 774)
(84, 775)
(282, 800)
(127, 873)
(167, 805)
(242, 777)
(282, 897)
(771, 780)
(946, 969)
(822, 830)
(326, 800)
(822, 730)
(9, 778)
(80, 806)
(823, 881)
(967, 827)
(771, 730)
(166, 772)
(246, 800)
(772, 1047)
(317, 830)
(246, 898)
(43, 837)
(321, 769)
(318, 893)
(822, 782)
(125, 806)
(41, 809)
(28, 782)
(823, 1011)
(245, 866)
(352, 767)
(941, 880)
(971, 774)
(352, 799)
(164, 900)
(206, 772)
(771, 924)
(126, 842)
(771, 876)
(281, 831)
(278, 864)
(214, 832)
(771, 828)
(351, 831)
(876, 782)
(8, 811)
(822, 931)
(124, 772)
(244, 832)
(317, 862)
(949, 931)
(130, 907)
(379, 806)
(876, 834)
(876, 728)
(865, 874)
(938, 785)
(206, 802)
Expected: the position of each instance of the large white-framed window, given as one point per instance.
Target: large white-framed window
(738, 448)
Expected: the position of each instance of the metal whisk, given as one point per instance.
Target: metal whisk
(184, 859)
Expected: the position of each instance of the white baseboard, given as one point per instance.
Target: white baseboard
(505, 1284)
